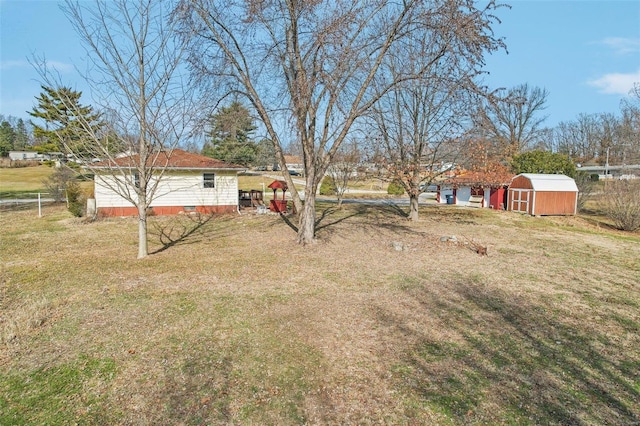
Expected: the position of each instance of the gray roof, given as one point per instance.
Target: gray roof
(551, 182)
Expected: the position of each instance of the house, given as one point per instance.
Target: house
(627, 171)
(294, 163)
(543, 194)
(480, 188)
(25, 156)
(190, 183)
(34, 156)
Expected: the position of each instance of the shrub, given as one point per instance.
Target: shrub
(621, 204)
(543, 162)
(395, 188)
(586, 186)
(75, 199)
(327, 186)
(57, 183)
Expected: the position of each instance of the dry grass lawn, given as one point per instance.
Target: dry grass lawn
(380, 322)
(24, 179)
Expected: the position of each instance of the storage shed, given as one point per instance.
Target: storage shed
(543, 194)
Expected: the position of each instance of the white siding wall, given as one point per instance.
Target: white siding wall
(184, 189)
(462, 196)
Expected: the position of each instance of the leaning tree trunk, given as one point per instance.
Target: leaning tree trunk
(413, 207)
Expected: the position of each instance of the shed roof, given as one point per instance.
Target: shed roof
(551, 182)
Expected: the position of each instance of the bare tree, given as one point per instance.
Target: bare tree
(629, 129)
(421, 123)
(135, 78)
(621, 204)
(511, 118)
(344, 169)
(580, 138)
(308, 67)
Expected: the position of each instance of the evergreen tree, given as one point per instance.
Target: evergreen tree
(22, 136)
(265, 154)
(7, 138)
(63, 117)
(230, 136)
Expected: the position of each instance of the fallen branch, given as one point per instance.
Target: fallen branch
(478, 248)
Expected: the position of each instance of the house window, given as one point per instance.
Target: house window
(209, 180)
(136, 180)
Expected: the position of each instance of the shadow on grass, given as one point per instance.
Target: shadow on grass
(337, 216)
(507, 360)
(179, 230)
(328, 216)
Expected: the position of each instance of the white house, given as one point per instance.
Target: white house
(190, 183)
(24, 155)
(294, 163)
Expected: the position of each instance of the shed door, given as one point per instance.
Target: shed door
(520, 200)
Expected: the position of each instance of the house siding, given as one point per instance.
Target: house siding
(175, 191)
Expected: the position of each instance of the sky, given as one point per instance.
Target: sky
(585, 53)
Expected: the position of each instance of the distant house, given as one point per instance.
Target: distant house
(543, 194)
(24, 155)
(190, 183)
(33, 155)
(294, 163)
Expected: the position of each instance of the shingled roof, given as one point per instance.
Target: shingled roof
(176, 159)
(492, 178)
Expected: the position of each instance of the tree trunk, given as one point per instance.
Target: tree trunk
(307, 223)
(413, 207)
(143, 247)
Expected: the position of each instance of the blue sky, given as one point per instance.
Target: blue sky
(585, 53)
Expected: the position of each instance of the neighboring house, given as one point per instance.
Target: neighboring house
(628, 171)
(294, 163)
(33, 156)
(543, 194)
(476, 189)
(190, 183)
(25, 156)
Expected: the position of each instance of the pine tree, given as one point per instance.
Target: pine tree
(22, 136)
(230, 136)
(7, 138)
(63, 115)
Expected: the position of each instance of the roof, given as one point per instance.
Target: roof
(551, 182)
(292, 159)
(493, 178)
(278, 184)
(176, 159)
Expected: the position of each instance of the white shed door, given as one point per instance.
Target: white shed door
(520, 200)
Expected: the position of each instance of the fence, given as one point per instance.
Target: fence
(14, 201)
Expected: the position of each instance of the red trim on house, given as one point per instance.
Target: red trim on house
(164, 210)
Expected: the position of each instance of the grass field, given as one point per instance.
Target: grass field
(24, 179)
(230, 322)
